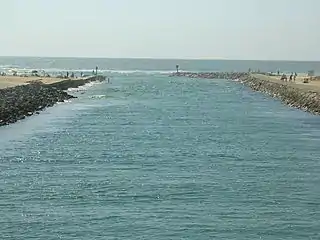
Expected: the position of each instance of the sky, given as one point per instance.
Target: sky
(192, 29)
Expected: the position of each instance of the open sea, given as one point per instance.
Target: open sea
(149, 156)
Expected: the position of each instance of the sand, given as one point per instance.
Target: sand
(313, 85)
(12, 81)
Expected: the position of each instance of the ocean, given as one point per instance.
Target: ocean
(111, 66)
(148, 156)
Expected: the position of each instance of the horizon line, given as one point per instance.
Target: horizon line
(160, 58)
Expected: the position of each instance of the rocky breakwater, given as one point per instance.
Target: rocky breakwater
(210, 75)
(290, 94)
(18, 102)
(65, 84)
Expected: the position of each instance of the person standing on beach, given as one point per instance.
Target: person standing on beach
(283, 77)
(295, 76)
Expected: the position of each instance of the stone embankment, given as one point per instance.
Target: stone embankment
(210, 75)
(18, 102)
(65, 84)
(289, 93)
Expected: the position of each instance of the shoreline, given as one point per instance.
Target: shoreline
(300, 95)
(23, 100)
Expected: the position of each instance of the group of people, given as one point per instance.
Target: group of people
(292, 77)
(72, 75)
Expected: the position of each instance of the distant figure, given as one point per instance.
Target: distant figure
(81, 74)
(92, 72)
(67, 74)
(290, 78)
(96, 70)
(295, 76)
(177, 67)
(283, 78)
(278, 73)
(72, 75)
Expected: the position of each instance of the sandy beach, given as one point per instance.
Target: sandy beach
(12, 81)
(313, 85)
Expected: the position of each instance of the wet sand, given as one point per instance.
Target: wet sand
(12, 81)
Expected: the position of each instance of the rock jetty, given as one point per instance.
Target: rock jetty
(18, 102)
(65, 84)
(210, 75)
(289, 94)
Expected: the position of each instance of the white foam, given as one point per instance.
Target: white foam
(20, 70)
(98, 96)
(84, 87)
(149, 72)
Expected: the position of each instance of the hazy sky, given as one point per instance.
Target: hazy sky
(232, 29)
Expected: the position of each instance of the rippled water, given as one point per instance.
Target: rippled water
(152, 157)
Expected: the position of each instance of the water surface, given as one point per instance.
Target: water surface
(152, 157)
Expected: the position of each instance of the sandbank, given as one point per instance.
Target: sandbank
(313, 85)
(12, 81)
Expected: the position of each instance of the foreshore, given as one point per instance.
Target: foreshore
(24, 99)
(298, 94)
